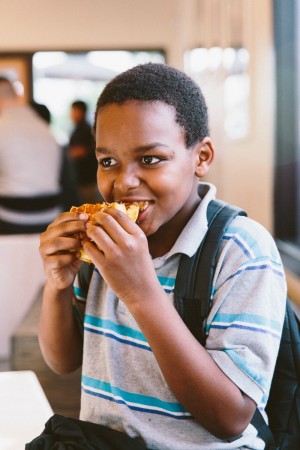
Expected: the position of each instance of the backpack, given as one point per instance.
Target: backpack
(192, 299)
(192, 295)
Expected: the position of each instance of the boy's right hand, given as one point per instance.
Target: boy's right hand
(59, 249)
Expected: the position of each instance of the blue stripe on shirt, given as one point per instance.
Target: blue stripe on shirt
(167, 283)
(121, 333)
(253, 265)
(250, 322)
(249, 370)
(80, 293)
(250, 245)
(135, 401)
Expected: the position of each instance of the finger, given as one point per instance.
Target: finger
(60, 245)
(113, 228)
(68, 217)
(59, 261)
(116, 224)
(105, 231)
(99, 237)
(64, 228)
(121, 243)
(92, 250)
(126, 222)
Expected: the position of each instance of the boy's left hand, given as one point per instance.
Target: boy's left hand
(119, 249)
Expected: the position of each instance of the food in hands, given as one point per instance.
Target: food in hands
(130, 209)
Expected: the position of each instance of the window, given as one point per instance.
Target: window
(224, 72)
(59, 78)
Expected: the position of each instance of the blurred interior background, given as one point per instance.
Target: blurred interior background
(243, 53)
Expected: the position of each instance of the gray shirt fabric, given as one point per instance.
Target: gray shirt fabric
(30, 163)
(122, 385)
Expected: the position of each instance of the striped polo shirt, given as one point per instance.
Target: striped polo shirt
(122, 384)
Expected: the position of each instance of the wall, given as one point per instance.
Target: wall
(94, 24)
(243, 171)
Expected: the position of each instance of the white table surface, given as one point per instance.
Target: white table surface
(22, 277)
(24, 409)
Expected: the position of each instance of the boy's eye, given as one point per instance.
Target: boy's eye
(107, 162)
(150, 160)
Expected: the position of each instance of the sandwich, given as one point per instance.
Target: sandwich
(130, 209)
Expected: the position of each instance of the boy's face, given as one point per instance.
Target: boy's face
(142, 157)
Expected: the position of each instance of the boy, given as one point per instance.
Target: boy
(143, 372)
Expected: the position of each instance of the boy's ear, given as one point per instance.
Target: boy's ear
(205, 154)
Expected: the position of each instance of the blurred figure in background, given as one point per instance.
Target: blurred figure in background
(30, 167)
(81, 152)
(42, 111)
(68, 183)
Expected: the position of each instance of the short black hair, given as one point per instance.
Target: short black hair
(80, 104)
(160, 82)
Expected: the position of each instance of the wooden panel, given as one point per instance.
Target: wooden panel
(18, 69)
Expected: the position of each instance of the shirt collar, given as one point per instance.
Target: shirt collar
(194, 231)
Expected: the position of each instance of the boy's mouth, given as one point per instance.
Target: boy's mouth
(143, 205)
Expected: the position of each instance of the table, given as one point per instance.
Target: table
(22, 277)
(24, 409)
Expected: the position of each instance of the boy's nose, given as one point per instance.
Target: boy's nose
(125, 181)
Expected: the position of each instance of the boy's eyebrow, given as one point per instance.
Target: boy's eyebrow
(140, 149)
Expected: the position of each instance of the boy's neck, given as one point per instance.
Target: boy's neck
(160, 243)
(164, 239)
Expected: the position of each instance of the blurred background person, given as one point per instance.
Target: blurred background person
(30, 167)
(68, 184)
(42, 110)
(81, 152)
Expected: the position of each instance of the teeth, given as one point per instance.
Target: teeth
(142, 205)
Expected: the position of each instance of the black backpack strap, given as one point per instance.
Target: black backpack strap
(285, 388)
(263, 430)
(193, 285)
(84, 275)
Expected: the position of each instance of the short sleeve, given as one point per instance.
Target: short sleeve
(248, 306)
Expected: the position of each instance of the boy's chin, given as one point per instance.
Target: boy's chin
(152, 229)
(147, 228)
